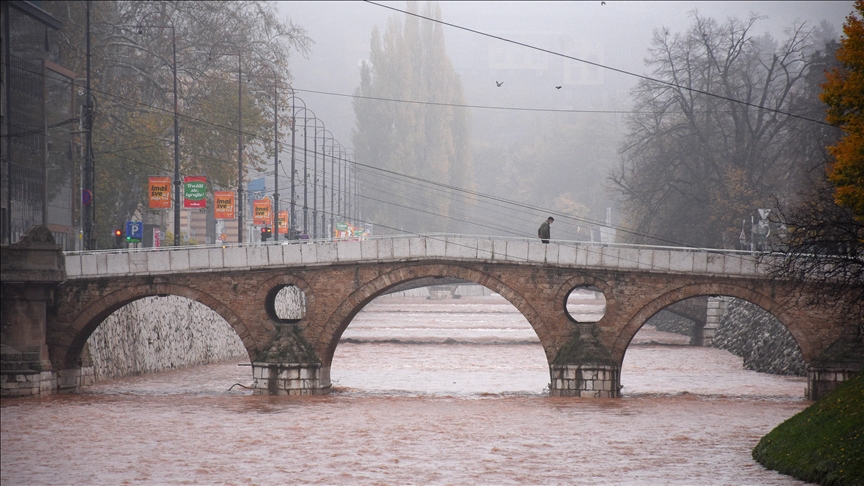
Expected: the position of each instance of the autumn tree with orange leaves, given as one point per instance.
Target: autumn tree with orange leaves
(844, 95)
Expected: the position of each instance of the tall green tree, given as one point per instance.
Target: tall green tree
(132, 82)
(428, 140)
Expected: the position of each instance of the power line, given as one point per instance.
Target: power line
(602, 66)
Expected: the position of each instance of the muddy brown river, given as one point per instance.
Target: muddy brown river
(425, 392)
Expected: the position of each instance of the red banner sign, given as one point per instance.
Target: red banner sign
(195, 192)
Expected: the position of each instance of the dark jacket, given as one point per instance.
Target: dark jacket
(543, 232)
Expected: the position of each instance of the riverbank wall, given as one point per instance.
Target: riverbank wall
(748, 331)
(158, 334)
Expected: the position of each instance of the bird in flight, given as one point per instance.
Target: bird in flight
(499, 83)
(557, 87)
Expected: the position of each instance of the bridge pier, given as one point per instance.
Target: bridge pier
(290, 379)
(30, 272)
(584, 368)
(289, 366)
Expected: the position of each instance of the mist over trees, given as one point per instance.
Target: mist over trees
(131, 78)
(694, 166)
(824, 243)
(423, 140)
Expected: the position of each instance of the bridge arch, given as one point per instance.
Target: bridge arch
(268, 289)
(641, 316)
(345, 313)
(585, 281)
(87, 321)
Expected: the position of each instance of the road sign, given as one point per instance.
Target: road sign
(86, 197)
(134, 231)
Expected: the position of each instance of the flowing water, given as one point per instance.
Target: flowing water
(425, 392)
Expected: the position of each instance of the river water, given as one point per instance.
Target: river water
(425, 392)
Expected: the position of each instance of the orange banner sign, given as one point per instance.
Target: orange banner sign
(283, 222)
(261, 213)
(160, 192)
(223, 202)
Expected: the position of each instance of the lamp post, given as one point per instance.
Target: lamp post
(324, 132)
(292, 231)
(239, 54)
(306, 112)
(275, 150)
(176, 122)
(353, 197)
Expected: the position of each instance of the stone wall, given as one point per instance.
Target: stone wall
(668, 322)
(746, 330)
(158, 334)
(766, 345)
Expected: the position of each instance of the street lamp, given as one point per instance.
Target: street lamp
(141, 25)
(275, 150)
(306, 112)
(324, 131)
(239, 54)
(292, 232)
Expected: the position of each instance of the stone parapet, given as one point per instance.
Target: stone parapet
(588, 380)
(290, 379)
(203, 259)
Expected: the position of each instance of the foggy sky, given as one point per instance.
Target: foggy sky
(616, 34)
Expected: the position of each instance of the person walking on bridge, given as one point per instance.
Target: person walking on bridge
(543, 233)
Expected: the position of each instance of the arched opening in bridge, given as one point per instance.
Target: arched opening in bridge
(172, 338)
(586, 303)
(713, 345)
(452, 338)
(287, 303)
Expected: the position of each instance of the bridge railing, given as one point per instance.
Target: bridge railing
(431, 236)
(209, 258)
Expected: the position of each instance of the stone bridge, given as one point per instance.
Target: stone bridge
(292, 354)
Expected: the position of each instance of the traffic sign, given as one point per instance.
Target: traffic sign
(134, 231)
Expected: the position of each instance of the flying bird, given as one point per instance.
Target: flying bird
(557, 87)
(499, 84)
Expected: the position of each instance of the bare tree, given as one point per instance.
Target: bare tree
(712, 140)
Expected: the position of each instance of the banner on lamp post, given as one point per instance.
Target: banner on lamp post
(223, 205)
(261, 212)
(160, 192)
(195, 192)
(283, 222)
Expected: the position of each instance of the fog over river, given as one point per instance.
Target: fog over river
(425, 392)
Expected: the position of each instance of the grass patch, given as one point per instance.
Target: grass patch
(824, 443)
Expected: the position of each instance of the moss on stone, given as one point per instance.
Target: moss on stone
(583, 348)
(824, 443)
(289, 347)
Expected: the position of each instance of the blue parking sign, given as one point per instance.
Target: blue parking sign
(134, 231)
